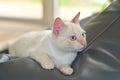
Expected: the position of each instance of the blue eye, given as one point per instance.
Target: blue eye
(73, 37)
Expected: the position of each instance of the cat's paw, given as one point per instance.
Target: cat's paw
(67, 70)
(48, 65)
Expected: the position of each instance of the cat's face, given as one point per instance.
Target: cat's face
(70, 35)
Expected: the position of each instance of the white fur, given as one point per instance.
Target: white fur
(49, 48)
(43, 42)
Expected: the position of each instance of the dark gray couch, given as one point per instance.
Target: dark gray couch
(99, 61)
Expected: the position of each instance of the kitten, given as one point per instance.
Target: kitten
(52, 48)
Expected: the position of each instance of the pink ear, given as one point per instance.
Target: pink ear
(58, 26)
(76, 19)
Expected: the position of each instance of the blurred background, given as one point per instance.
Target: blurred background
(33, 9)
(21, 16)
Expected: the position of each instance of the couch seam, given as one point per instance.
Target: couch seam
(104, 30)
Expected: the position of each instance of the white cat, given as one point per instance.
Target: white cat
(52, 48)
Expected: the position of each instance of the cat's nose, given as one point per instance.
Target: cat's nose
(83, 42)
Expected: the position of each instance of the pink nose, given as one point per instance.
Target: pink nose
(83, 42)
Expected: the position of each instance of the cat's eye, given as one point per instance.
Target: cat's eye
(73, 37)
(83, 34)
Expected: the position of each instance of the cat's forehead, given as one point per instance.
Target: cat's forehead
(74, 27)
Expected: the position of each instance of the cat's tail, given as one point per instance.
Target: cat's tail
(4, 57)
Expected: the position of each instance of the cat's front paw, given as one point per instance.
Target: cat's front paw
(48, 65)
(67, 70)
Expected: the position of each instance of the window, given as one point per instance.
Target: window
(24, 9)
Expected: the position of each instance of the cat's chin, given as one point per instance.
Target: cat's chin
(74, 49)
(79, 50)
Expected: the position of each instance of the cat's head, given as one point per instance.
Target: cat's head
(69, 35)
